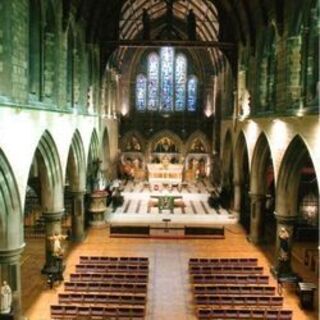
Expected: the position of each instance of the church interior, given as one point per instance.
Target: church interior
(159, 159)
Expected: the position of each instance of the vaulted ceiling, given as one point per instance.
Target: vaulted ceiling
(229, 21)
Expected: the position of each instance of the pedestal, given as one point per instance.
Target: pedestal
(98, 208)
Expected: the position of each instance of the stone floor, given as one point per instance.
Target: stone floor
(169, 295)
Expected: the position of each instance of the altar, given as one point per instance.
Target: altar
(165, 173)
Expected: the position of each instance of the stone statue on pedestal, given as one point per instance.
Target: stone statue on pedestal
(6, 298)
(57, 248)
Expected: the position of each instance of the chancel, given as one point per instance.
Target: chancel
(159, 159)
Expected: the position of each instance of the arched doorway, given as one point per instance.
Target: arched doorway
(242, 182)
(297, 201)
(262, 194)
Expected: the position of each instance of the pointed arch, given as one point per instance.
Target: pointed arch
(50, 171)
(141, 92)
(11, 220)
(76, 166)
(180, 82)
(166, 134)
(153, 81)
(35, 49)
(261, 159)
(70, 66)
(242, 181)
(289, 176)
(201, 137)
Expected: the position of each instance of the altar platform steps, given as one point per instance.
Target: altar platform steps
(166, 232)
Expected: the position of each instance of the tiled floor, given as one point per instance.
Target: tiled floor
(169, 296)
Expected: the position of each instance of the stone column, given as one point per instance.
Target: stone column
(10, 272)
(78, 215)
(280, 266)
(237, 196)
(258, 202)
(53, 225)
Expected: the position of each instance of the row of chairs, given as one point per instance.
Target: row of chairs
(207, 313)
(114, 260)
(107, 298)
(234, 289)
(98, 313)
(229, 269)
(105, 288)
(229, 279)
(224, 261)
(110, 268)
(109, 277)
(270, 301)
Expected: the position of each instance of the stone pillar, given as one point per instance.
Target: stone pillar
(281, 266)
(237, 196)
(53, 225)
(258, 202)
(78, 216)
(10, 272)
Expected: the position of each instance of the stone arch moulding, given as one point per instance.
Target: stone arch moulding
(11, 217)
(203, 139)
(258, 163)
(128, 135)
(77, 162)
(165, 134)
(50, 168)
(289, 176)
(93, 150)
(239, 152)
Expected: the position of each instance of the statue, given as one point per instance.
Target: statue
(57, 248)
(284, 261)
(6, 298)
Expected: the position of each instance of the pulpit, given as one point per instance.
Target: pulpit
(98, 208)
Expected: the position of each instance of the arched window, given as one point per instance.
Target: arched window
(192, 93)
(153, 81)
(180, 82)
(70, 69)
(166, 86)
(141, 92)
(166, 98)
(35, 49)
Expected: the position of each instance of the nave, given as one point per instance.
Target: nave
(169, 294)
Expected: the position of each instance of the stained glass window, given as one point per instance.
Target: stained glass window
(167, 60)
(180, 82)
(141, 92)
(192, 93)
(166, 86)
(153, 81)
